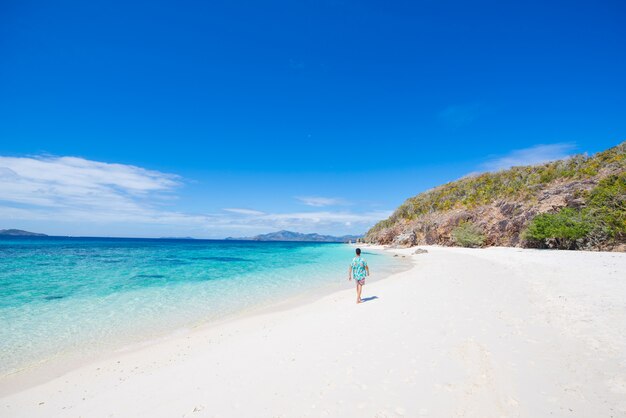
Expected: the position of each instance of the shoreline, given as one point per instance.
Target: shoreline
(42, 371)
(472, 332)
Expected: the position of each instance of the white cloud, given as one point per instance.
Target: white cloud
(74, 194)
(305, 220)
(242, 211)
(319, 221)
(326, 217)
(320, 201)
(76, 182)
(529, 156)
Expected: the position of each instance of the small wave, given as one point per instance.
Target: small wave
(149, 276)
(172, 261)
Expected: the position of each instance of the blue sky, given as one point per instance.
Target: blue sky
(225, 118)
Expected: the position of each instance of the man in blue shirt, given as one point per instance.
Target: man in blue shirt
(358, 270)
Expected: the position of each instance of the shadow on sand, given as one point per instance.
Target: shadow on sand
(369, 298)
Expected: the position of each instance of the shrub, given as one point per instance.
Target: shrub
(602, 223)
(564, 229)
(607, 206)
(468, 235)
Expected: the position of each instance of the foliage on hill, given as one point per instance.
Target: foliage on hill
(603, 220)
(581, 198)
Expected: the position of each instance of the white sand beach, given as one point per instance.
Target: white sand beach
(497, 332)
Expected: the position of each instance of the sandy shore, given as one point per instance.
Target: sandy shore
(499, 332)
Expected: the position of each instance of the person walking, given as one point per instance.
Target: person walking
(358, 270)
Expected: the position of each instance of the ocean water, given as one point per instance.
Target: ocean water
(60, 296)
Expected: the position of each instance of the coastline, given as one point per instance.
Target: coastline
(47, 369)
(485, 332)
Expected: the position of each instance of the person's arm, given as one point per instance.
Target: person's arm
(367, 269)
(349, 272)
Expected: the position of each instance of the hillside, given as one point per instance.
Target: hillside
(575, 203)
(297, 236)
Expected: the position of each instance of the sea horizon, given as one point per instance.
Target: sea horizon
(37, 235)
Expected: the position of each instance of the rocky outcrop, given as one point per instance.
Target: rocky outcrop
(405, 239)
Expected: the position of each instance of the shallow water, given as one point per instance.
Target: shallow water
(63, 295)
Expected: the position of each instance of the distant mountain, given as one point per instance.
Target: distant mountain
(297, 236)
(19, 233)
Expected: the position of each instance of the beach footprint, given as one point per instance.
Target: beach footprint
(195, 411)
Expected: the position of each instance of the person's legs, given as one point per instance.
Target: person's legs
(359, 286)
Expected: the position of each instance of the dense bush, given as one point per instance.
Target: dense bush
(468, 235)
(563, 229)
(601, 223)
(607, 206)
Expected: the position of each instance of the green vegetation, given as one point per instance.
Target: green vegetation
(468, 235)
(601, 223)
(564, 229)
(607, 206)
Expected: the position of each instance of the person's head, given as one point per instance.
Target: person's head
(358, 251)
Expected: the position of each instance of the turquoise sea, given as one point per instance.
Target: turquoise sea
(60, 296)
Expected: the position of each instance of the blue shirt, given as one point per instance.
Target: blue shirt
(358, 268)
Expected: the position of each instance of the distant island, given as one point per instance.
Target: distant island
(297, 236)
(578, 203)
(19, 233)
